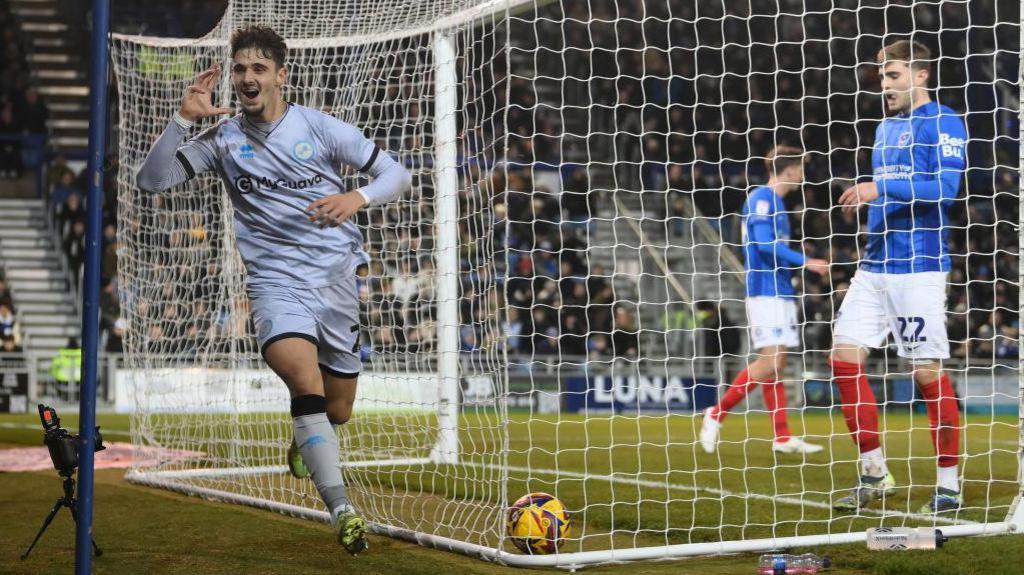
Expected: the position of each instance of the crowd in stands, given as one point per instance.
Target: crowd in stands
(689, 123)
(694, 111)
(67, 207)
(23, 114)
(164, 17)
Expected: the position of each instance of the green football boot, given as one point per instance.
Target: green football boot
(296, 466)
(352, 532)
(870, 489)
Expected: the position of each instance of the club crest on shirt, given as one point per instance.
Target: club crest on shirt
(904, 139)
(303, 150)
(246, 151)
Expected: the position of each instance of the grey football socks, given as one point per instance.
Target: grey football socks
(318, 444)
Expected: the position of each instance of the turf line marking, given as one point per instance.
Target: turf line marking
(615, 478)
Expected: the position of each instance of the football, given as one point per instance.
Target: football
(538, 524)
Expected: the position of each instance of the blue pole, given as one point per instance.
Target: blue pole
(91, 283)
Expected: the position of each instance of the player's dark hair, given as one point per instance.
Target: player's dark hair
(915, 54)
(782, 157)
(261, 38)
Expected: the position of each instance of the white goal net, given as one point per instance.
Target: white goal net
(562, 292)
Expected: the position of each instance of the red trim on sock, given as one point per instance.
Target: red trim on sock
(860, 409)
(943, 419)
(738, 389)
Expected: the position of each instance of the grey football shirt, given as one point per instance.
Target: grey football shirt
(273, 172)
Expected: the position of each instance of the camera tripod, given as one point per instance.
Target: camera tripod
(71, 503)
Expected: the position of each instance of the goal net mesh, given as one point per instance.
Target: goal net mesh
(603, 153)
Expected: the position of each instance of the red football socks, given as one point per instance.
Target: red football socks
(859, 407)
(944, 417)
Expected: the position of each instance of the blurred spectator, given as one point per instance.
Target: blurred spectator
(10, 150)
(110, 305)
(108, 265)
(58, 166)
(69, 212)
(66, 369)
(32, 111)
(513, 328)
(5, 294)
(109, 236)
(676, 217)
(10, 351)
(721, 336)
(74, 250)
(1007, 342)
(10, 328)
(625, 338)
(679, 325)
(468, 339)
(63, 188)
(115, 336)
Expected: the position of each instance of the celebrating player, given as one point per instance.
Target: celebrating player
(771, 305)
(900, 287)
(281, 163)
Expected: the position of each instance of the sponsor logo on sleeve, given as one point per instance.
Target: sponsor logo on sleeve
(762, 207)
(951, 147)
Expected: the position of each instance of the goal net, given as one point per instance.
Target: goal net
(562, 292)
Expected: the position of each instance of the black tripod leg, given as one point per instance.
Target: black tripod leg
(74, 515)
(46, 523)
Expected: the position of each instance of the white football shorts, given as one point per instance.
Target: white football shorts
(773, 321)
(910, 306)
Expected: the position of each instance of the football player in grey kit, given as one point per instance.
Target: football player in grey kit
(281, 164)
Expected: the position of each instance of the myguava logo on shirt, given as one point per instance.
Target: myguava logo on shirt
(244, 184)
(246, 151)
(303, 150)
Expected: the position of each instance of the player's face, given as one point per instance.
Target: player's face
(793, 175)
(898, 83)
(257, 80)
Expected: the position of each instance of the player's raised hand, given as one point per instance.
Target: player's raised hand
(333, 210)
(855, 196)
(197, 102)
(817, 266)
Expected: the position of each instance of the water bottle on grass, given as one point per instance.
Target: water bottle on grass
(782, 564)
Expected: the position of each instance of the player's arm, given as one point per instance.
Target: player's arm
(939, 181)
(946, 162)
(169, 162)
(761, 234)
(388, 180)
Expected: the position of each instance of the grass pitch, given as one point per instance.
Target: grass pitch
(685, 495)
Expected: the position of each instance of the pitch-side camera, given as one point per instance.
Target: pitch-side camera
(63, 448)
(62, 444)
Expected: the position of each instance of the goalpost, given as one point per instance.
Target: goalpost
(548, 309)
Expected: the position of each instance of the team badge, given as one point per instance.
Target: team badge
(904, 139)
(303, 150)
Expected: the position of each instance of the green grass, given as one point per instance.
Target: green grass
(155, 531)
